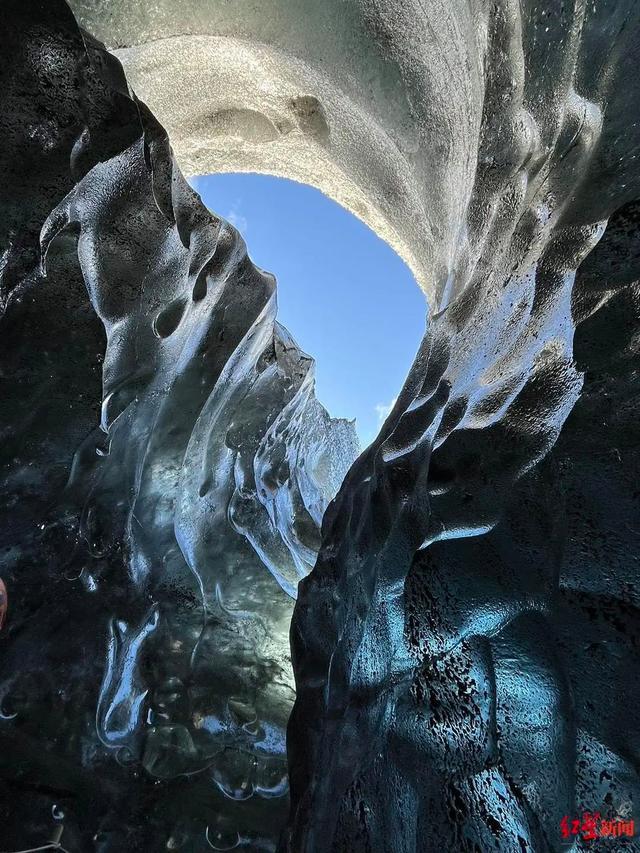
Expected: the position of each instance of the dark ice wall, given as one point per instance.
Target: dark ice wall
(166, 468)
(466, 646)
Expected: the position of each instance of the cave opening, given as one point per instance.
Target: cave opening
(345, 295)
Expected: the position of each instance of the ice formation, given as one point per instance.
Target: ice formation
(165, 532)
(464, 641)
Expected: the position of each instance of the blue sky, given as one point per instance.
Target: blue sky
(344, 294)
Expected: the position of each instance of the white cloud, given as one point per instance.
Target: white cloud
(383, 410)
(236, 218)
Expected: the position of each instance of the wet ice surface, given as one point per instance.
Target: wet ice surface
(167, 470)
(194, 500)
(209, 482)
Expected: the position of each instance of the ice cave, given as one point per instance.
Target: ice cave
(222, 626)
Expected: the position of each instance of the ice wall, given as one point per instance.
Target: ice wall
(465, 647)
(459, 642)
(166, 468)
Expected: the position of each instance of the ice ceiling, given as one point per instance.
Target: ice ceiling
(465, 635)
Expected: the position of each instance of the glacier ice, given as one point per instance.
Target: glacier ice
(193, 494)
(464, 639)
